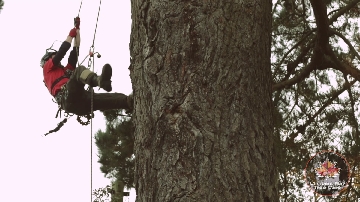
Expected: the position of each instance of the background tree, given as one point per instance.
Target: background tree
(102, 195)
(1, 4)
(115, 148)
(315, 61)
(202, 85)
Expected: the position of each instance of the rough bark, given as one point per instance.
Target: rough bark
(202, 90)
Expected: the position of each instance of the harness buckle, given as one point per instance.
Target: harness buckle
(62, 93)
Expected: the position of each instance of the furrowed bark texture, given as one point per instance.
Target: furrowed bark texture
(202, 88)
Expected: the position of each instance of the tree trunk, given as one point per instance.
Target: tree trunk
(118, 196)
(202, 88)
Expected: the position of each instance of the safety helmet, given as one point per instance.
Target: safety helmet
(47, 56)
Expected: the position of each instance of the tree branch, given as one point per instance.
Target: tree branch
(322, 23)
(342, 11)
(352, 116)
(344, 68)
(301, 128)
(332, 31)
(321, 44)
(292, 65)
(299, 77)
(273, 9)
(296, 45)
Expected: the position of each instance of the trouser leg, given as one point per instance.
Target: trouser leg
(85, 76)
(78, 101)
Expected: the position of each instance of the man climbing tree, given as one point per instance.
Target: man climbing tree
(67, 83)
(203, 111)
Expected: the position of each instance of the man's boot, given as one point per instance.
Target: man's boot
(103, 81)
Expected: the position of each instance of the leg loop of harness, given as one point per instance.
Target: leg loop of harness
(60, 96)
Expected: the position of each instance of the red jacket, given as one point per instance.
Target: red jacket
(52, 72)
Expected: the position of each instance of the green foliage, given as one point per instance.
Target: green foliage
(116, 148)
(102, 194)
(1, 4)
(319, 111)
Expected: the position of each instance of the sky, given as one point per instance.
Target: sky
(57, 167)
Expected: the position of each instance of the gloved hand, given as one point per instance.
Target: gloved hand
(77, 22)
(72, 32)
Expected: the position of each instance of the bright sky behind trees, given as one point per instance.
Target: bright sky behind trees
(57, 167)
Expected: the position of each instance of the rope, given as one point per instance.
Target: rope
(92, 111)
(97, 19)
(92, 94)
(92, 97)
(79, 8)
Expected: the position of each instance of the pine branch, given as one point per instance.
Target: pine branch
(295, 46)
(343, 10)
(344, 68)
(301, 128)
(305, 72)
(353, 117)
(321, 46)
(351, 47)
(322, 23)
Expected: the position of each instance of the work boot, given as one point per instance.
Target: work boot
(104, 80)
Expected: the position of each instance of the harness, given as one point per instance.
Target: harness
(58, 80)
(58, 95)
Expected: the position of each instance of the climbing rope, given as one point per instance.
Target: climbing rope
(91, 116)
(79, 9)
(92, 50)
(97, 20)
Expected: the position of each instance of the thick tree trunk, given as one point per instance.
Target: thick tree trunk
(202, 86)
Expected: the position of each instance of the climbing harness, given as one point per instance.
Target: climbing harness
(58, 100)
(66, 75)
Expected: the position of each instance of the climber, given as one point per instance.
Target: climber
(66, 84)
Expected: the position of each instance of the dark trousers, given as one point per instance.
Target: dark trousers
(75, 99)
